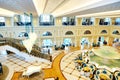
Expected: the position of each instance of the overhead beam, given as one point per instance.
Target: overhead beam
(45, 6)
(57, 6)
(105, 8)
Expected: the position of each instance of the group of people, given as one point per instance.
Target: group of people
(83, 65)
(92, 71)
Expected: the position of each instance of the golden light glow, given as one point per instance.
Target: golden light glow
(4, 12)
(72, 5)
(39, 5)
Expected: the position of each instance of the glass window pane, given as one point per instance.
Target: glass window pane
(2, 21)
(68, 20)
(46, 20)
(117, 21)
(87, 21)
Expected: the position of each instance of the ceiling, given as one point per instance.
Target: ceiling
(79, 8)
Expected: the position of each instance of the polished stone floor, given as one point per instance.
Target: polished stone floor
(67, 64)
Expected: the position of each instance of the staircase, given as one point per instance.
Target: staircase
(16, 43)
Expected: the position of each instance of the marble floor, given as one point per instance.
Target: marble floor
(67, 64)
(18, 63)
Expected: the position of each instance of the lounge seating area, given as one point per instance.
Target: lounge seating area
(93, 71)
(103, 74)
(117, 75)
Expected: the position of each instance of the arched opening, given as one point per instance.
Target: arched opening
(101, 41)
(103, 32)
(46, 46)
(23, 34)
(47, 43)
(116, 40)
(47, 34)
(87, 32)
(116, 32)
(117, 21)
(67, 42)
(85, 43)
(69, 33)
(116, 43)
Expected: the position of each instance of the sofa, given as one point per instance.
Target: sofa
(31, 70)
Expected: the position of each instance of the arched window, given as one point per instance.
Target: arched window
(47, 34)
(117, 21)
(67, 41)
(1, 36)
(69, 33)
(116, 40)
(23, 34)
(85, 42)
(47, 42)
(116, 32)
(103, 32)
(87, 32)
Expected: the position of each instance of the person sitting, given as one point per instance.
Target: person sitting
(105, 42)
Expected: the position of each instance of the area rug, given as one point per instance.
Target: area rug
(35, 76)
(55, 70)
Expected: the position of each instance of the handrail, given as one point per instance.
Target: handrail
(17, 43)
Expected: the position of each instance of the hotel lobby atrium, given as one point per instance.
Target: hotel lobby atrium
(59, 39)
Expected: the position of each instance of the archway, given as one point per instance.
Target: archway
(103, 32)
(116, 32)
(87, 32)
(116, 40)
(67, 42)
(47, 43)
(85, 43)
(101, 41)
(23, 34)
(116, 43)
(46, 46)
(69, 33)
(47, 33)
